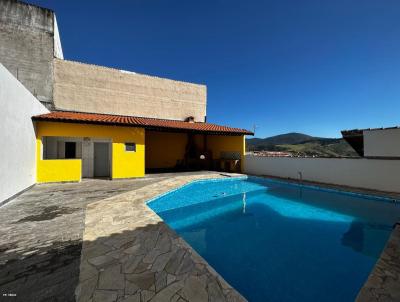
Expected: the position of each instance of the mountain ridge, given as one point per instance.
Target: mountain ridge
(300, 144)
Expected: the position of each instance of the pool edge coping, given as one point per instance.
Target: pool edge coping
(91, 234)
(383, 280)
(367, 290)
(321, 186)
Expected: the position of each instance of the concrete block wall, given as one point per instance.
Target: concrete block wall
(27, 46)
(17, 134)
(90, 88)
(374, 174)
(30, 48)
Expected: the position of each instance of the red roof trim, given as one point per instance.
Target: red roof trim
(134, 121)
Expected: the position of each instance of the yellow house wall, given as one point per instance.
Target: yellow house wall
(164, 149)
(58, 170)
(221, 143)
(123, 165)
(226, 143)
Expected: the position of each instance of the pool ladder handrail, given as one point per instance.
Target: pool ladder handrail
(300, 174)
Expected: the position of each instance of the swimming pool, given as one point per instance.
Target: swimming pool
(275, 241)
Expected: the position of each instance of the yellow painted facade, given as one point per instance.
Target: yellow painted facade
(164, 149)
(226, 143)
(58, 170)
(123, 164)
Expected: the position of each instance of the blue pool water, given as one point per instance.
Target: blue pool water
(274, 241)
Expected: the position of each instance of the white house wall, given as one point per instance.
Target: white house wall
(58, 52)
(375, 174)
(384, 143)
(17, 134)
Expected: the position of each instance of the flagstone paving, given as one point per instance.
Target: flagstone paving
(41, 237)
(383, 283)
(130, 254)
(41, 234)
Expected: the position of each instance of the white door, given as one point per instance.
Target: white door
(101, 160)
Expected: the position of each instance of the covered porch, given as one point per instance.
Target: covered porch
(72, 146)
(191, 151)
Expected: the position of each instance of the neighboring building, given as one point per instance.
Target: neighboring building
(271, 153)
(97, 89)
(29, 41)
(104, 122)
(30, 48)
(375, 143)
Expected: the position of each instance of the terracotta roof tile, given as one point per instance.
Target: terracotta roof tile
(133, 121)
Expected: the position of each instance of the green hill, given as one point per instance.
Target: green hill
(302, 145)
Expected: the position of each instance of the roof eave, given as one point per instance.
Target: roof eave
(148, 127)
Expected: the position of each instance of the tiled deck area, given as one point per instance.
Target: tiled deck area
(383, 283)
(41, 235)
(129, 254)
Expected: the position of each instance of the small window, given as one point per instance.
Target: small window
(130, 147)
(70, 150)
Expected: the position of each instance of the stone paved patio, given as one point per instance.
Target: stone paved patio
(41, 235)
(129, 254)
(383, 283)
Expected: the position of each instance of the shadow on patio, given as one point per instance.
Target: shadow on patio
(148, 263)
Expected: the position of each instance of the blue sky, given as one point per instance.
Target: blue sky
(315, 67)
